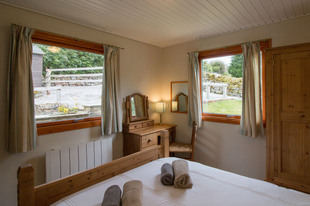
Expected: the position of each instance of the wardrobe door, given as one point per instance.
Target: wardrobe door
(288, 135)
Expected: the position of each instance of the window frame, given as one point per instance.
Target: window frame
(42, 37)
(226, 51)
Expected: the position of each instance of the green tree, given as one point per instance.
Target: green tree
(218, 67)
(206, 66)
(236, 66)
(69, 58)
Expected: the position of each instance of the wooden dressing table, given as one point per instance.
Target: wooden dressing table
(144, 134)
(140, 132)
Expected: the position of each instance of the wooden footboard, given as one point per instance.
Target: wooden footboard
(46, 194)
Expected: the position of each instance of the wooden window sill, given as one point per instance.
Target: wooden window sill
(221, 119)
(67, 125)
(224, 119)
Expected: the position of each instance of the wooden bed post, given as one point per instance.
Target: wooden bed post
(25, 187)
(164, 134)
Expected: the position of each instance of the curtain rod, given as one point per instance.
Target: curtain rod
(261, 40)
(70, 37)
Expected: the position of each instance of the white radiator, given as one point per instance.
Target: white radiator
(77, 158)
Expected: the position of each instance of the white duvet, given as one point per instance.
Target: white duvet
(210, 187)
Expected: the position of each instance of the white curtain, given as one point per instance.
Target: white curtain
(194, 100)
(111, 104)
(20, 125)
(251, 118)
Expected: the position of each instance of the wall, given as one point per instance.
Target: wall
(139, 65)
(221, 145)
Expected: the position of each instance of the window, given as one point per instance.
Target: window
(67, 78)
(221, 83)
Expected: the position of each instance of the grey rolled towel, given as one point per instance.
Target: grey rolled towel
(112, 196)
(132, 193)
(167, 174)
(182, 178)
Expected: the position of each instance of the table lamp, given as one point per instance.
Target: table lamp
(160, 108)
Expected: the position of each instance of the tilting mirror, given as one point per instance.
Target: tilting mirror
(137, 107)
(179, 97)
(182, 100)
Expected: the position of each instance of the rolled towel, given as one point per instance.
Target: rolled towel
(182, 178)
(167, 174)
(132, 193)
(112, 196)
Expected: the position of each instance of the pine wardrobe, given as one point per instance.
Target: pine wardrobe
(288, 116)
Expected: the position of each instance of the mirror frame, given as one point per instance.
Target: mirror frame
(186, 99)
(129, 118)
(175, 82)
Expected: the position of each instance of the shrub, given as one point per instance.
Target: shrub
(234, 85)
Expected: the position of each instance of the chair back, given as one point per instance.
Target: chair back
(193, 140)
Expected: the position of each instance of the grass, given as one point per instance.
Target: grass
(231, 107)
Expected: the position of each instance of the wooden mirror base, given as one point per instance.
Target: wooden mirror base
(137, 125)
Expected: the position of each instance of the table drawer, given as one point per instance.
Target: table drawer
(135, 126)
(149, 140)
(148, 124)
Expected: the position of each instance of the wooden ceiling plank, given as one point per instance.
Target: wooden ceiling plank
(228, 13)
(306, 6)
(229, 6)
(162, 14)
(100, 13)
(270, 9)
(180, 18)
(298, 6)
(121, 22)
(146, 13)
(134, 15)
(217, 16)
(253, 12)
(187, 9)
(204, 15)
(243, 11)
(289, 8)
(279, 7)
(260, 9)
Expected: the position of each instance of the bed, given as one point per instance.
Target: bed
(211, 186)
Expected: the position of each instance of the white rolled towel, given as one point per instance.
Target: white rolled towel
(182, 178)
(132, 193)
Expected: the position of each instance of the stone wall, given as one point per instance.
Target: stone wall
(234, 85)
(75, 80)
(55, 111)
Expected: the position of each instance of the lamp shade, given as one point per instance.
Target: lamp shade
(160, 107)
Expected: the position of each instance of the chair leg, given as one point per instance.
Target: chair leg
(191, 157)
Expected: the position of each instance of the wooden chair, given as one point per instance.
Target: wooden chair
(185, 148)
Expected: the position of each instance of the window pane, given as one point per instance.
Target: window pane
(222, 85)
(67, 83)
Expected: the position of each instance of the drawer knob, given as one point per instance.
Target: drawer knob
(148, 141)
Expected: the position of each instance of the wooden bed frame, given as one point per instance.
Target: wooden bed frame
(46, 194)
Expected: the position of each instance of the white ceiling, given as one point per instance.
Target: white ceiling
(168, 22)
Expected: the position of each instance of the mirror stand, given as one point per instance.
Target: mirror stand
(137, 106)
